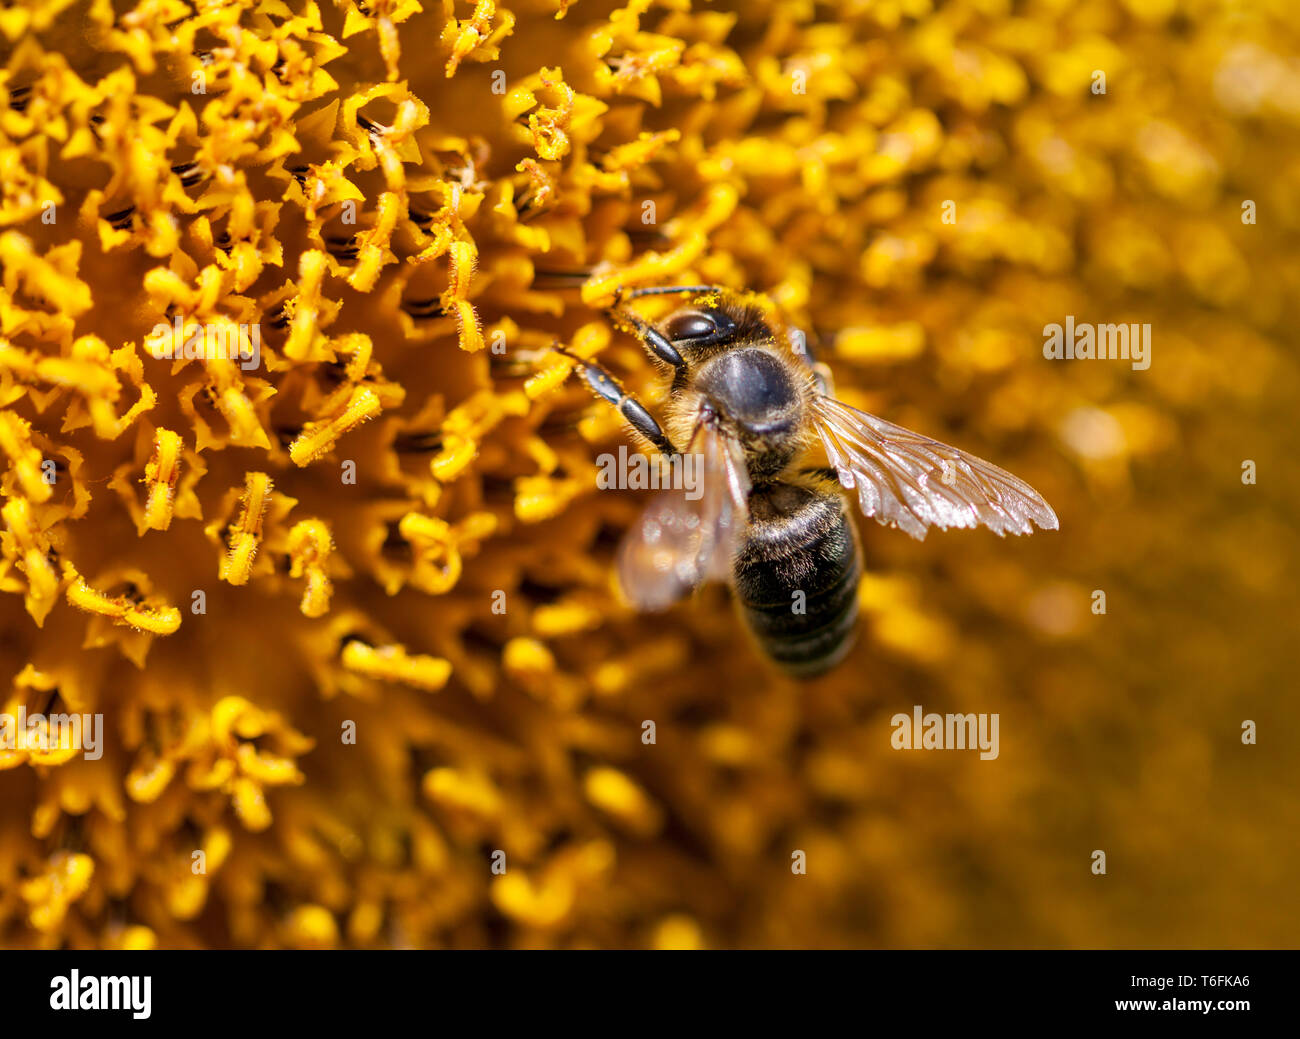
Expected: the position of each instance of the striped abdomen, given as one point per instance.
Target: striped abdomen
(796, 577)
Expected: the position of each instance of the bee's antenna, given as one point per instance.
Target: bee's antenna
(666, 290)
(544, 279)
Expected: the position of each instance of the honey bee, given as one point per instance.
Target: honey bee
(752, 409)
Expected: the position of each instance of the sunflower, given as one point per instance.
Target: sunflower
(300, 503)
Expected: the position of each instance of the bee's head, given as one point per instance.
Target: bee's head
(740, 376)
(760, 396)
(716, 319)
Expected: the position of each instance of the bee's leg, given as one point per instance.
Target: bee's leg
(607, 387)
(825, 381)
(821, 372)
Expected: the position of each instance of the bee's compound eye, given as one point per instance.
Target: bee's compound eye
(690, 324)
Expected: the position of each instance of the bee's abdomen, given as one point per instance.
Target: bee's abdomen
(796, 577)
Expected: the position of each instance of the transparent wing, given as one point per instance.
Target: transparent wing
(688, 534)
(909, 481)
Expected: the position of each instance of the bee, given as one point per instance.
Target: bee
(752, 409)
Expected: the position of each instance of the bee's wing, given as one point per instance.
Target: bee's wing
(677, 543)
(907, 480)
